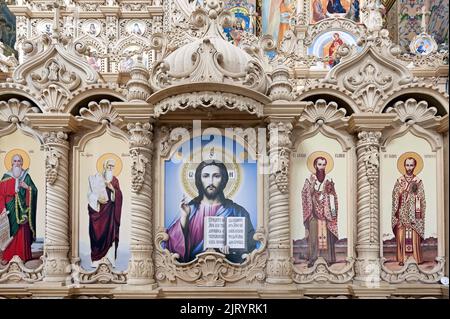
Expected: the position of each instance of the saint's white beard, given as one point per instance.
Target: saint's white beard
(16, 170)
(108, 175)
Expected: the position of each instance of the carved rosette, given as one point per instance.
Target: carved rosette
(279, 266)
(57, 206)
(141, 269)
(368, 246)
(210, 268)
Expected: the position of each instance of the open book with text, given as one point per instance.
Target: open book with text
(223, 231)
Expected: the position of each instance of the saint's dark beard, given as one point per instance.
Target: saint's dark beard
(320, 174)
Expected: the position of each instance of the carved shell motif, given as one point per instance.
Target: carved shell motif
(322, 113)
(102, 112)
(14, 111)
(412, 111)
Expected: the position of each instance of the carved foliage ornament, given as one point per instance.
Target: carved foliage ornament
(210, 268)
(52, 141)
(280, 144)
(140, 147)
(209, 99)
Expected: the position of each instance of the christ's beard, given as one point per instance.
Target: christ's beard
(211, 192)
(17, 171)
(320, 173)
(108, 175)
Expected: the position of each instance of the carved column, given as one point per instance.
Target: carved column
(141, 264)
(368, 241)
(56, 206)
(279, 266)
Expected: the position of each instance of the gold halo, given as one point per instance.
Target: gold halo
(401, 161)
(313, 156)
(107, 156)
(230, 189)
(11, 153)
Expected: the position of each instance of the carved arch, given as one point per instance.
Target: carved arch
(133, 39)
(20, 92)
(97, 92)
(333, 24)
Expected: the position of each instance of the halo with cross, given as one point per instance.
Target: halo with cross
(234, 171)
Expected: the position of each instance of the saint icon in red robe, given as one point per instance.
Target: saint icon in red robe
(18, 199)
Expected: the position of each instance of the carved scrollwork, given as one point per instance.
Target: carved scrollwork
(411, 272)
(103, 274)
(209, 99)
(322, 273)
(53, 71)
(168, 137)
(210, 268)
(16, 271)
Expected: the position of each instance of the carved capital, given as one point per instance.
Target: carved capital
(140, 134)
